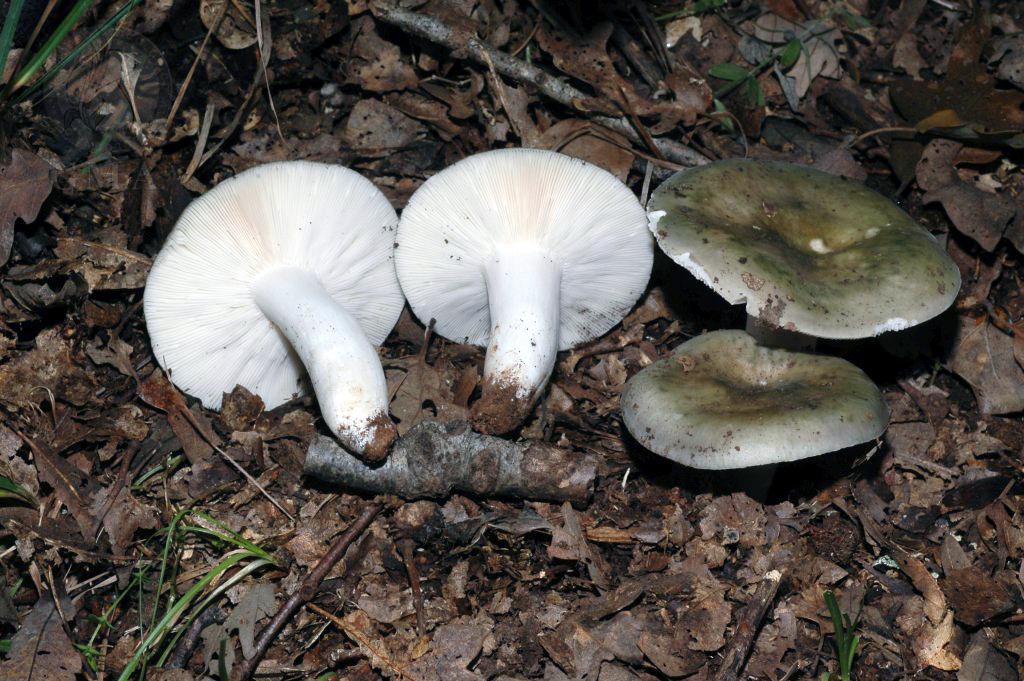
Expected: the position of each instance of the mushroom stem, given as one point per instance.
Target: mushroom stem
(523, 290)
(342, 364)
(774, 337)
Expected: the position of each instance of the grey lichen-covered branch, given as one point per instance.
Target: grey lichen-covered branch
(464, 44)
(433, 460)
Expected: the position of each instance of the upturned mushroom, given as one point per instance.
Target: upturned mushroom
(721, 401)
(282, 271)
(806, 251)
(526, 252)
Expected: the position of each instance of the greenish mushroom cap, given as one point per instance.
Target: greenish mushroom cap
(807, 251)
(721, 401)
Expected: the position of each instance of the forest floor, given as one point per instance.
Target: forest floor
(132, 546)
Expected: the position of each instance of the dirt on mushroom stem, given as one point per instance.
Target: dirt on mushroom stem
(502, 407)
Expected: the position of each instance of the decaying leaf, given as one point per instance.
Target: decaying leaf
(819, 55)
(966, 103)
(375, 127)
(41, 649)
(1008, 55)
(26, 184)
(983, 356)
(50, 368)
(376, 65)
(236, 29)
(979, 214)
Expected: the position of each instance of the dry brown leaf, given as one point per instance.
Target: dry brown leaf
(26, 184)
(236, 30)
(376, 65)
(983, 356)
(375, 127)
(41, 649)
(981, 215)
(49, 368)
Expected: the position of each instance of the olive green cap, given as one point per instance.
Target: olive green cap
(722, 401)
(805, 250)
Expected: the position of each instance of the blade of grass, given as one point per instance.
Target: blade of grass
(7, 33)
(77, 50)
(55, 39)
(12, 490)
(175, 612)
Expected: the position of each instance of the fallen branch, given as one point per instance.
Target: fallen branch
(307, 589)
(463, 43)
(734, 660)
(433, 460)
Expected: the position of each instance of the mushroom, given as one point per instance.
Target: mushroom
(285, 269)
(807, 251)
(526, 252)
(721, 401)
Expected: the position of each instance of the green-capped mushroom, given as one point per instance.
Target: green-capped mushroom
(805, 250)
(721, 401)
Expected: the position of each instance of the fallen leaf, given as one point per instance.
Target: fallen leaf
(965, 104)
(26, 184)
(975, 596)
(982, 662)
(375, 64)
(375, 127)
(983, 356)
(237, 28)
(124, 516)
(819, 55)
(980, 215)
(41, 649)
(906, 56)
(1008, 54)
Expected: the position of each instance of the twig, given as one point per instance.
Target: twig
(406, 546)
(734, 660)
(432, 460)
(465, 43)
(308, 588)
(376, 650)
(192, 69)
(188, 643)
(878, 131)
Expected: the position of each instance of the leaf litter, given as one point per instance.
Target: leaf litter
(651, 571)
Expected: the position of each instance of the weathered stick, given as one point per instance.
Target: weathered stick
(433, 460)
(465, 44)
(734, 660)
(308, 588)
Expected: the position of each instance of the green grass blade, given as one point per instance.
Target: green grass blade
(157, 633)
(73, 54)
(55, 39)
(7, 33)
(12, 490)
(235, 578)
(837, 617)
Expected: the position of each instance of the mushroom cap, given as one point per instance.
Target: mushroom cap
(721, 401)
(807, 251)
(204, 325)
(588, 220)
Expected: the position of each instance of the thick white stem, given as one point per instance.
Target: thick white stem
(523, 292)
(342, 364)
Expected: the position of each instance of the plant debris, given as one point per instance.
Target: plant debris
(143, 535)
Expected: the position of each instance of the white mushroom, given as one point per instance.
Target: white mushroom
(527, 252)
(282, 268)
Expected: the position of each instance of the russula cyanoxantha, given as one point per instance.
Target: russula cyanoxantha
(806, 251)
(721, 401)
(282, 271)
(526, 252)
